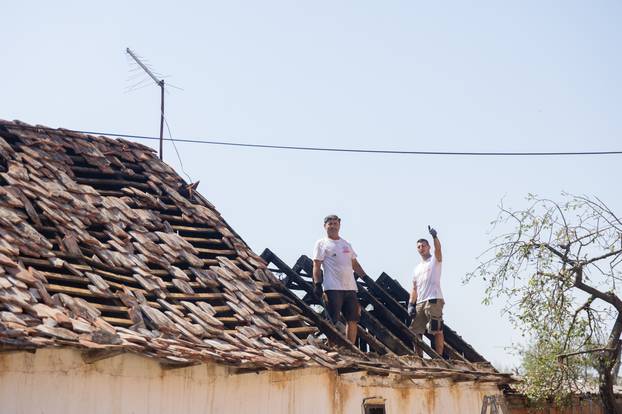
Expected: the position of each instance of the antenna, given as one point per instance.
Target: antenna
(160, 83)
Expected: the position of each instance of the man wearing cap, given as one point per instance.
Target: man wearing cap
(336, 256)
(425, 306)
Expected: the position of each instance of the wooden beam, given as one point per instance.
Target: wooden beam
(295, 318)
(384, 335)
(118, 321)
(202, 240)
(65, 278)
(219, 252)
(112, 182)
(97, 171)
(383, 323)
(325, 326)
(195, 296)
(72, 291)
(452, 338)
(196, 230)
(287, 309)
(373, 343)
(301, 330)
(110, 308)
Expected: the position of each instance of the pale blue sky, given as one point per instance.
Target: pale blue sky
(456, 76)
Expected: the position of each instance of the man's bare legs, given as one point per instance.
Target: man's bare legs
(439, 343)
(418, 349)
(351, 329)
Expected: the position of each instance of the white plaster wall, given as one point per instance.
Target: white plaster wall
(58, 381)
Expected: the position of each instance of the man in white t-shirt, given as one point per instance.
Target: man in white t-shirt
(425, 306)
(338, 259)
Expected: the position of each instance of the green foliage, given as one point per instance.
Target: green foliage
(555, 266)
(546, 376)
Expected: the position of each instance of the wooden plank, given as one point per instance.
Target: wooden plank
(400, 329)
(96, 266)
(79, 160)
(203, 240)
(325, 326)
(111, 193)
(72, 291)
(287, 307)
(454, 340)
(178, 219)
(65, 278)
(210, 262)
(110, 308)
(195, 230)
(112, 182)
(302, 330)
(384, 335)
(97, 171)
(221, 308)
(229, 320)
(374, 326)
(295, 318)
(220, 252)
(273, 295)
(374, 343)
(195, 296)
(118, 321)
(394, 327)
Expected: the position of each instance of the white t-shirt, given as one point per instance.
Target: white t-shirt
(336, 257)
(427, 280)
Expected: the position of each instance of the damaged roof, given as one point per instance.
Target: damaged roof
(105, 248)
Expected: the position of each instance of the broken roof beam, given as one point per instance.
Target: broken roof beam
(374, 327)
(399, 340)
(325, 326)
(384, 335)
(392, 287)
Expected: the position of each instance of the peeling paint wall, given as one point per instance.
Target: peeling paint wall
(586, 405)
(58, 381)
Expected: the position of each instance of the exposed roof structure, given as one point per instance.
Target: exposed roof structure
(105, 248)
(384, 324)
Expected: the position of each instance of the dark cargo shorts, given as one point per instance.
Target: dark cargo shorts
(343, 301)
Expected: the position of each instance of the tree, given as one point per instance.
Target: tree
(558, 266)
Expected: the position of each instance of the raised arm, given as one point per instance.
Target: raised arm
(438, 253)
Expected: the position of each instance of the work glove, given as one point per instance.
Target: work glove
(412, 310)
(433, 232)
(317, 289)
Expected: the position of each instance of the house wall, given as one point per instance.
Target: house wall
(59, 381)
(587, 405)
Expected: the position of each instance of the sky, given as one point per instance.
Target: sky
(397, 75)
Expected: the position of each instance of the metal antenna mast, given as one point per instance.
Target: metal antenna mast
(160, 83)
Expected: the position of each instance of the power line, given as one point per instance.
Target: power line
(329, 149)
(181, 164)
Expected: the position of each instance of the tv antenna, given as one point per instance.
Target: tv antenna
(160, 83)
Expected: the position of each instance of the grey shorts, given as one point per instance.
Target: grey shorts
(429, 317)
